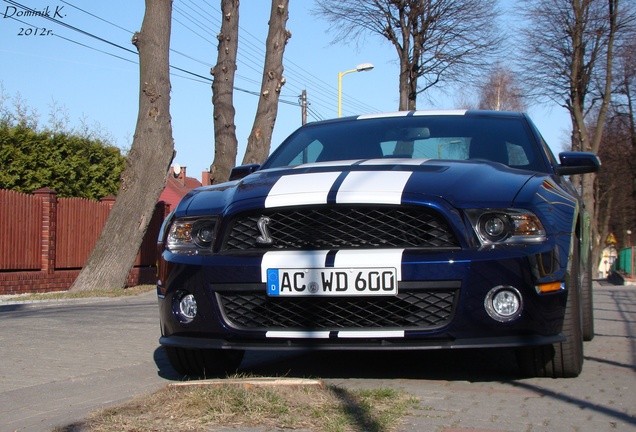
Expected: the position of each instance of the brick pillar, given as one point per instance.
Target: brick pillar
(109, 200)
(165, 208)
(49, 225)
(205, 178)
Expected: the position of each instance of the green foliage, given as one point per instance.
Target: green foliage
(72, 164)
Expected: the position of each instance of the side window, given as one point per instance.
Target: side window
(388, 148)
(308, 155)
(517, 155)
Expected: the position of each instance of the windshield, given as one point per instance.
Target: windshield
(505, 140)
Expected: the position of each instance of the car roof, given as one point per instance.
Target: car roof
(418, 113)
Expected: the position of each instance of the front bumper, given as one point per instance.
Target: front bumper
(460, 280)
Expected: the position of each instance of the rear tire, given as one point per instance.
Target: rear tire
(563, 359)
(204, 362)
(587, 301)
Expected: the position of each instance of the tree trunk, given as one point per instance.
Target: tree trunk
(147, 164)
(588, 181)
(259, 141)
(225, 142)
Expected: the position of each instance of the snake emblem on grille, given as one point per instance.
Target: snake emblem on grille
(265, 239)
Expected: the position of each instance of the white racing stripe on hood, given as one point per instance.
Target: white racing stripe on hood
(358, 187)
(373, 187)
(301, 189)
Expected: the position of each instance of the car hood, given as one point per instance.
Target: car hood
(463, 184)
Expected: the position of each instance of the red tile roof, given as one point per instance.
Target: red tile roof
(177, 187)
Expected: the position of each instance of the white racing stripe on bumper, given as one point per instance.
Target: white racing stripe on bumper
(344, 259)
(371, 334)
(298, 334)
(292, 259)
(370, 258)
(358, 334)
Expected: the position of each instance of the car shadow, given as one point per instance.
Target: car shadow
(474, 365)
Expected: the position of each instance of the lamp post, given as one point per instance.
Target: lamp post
(360, 68)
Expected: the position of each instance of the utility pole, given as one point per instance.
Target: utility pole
(303, 106)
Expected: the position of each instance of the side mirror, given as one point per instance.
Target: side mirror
(242, 171)
(578, 163)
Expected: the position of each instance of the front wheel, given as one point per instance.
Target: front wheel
(563, 359)
(204, 362)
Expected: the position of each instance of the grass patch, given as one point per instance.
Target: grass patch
(328, 409)
(62, 295)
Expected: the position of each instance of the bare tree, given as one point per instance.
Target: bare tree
(567, 55)
(617, 181)
(501, 92)
(258, 143)
(568, 58)
(615, 195)
(146, 171)
(225, 142)
(625, 93)
(437, 41)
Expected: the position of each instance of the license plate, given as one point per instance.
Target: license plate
(332, 282)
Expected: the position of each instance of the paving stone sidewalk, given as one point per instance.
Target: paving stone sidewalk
(62, 360)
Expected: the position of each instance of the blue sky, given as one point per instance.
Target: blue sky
(84, 64)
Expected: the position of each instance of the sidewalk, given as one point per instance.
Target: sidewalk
(63, 360)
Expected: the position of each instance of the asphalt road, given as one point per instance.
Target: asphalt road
(62, 360)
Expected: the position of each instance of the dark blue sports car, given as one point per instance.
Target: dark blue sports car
(408, 230)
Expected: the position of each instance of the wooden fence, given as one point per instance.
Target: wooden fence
(45, 240)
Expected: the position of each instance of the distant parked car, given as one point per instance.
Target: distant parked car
(408, 230)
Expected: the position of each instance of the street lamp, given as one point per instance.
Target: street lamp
(360, 68)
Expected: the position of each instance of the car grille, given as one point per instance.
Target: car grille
(417, 309)
(338, 227)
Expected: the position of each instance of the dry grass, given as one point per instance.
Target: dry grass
(328, 409)
(202, 408)
(61, 295)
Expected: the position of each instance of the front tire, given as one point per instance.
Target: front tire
(204, 362)
(563, 359)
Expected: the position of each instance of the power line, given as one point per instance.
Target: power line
(318, 86)
(89, 34)
(96, 16)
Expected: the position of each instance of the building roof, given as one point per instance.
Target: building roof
(177, 186)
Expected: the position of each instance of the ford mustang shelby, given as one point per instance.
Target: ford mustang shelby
(409, 230)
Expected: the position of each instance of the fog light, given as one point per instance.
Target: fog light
(188, 306)
(184, 306)
(503, 303)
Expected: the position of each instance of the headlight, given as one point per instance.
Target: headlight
(191, 236)
(506, 226)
